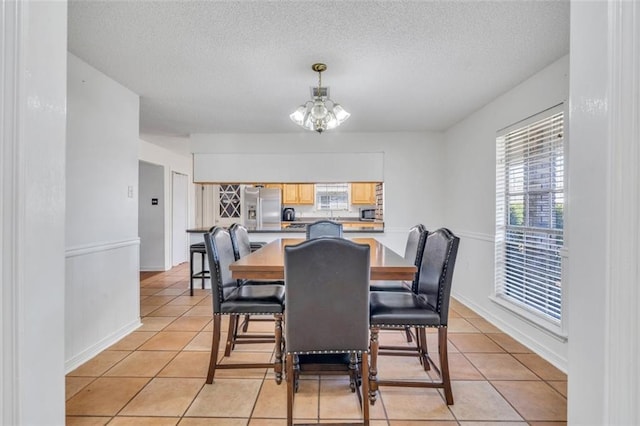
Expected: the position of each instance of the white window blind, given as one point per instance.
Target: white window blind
(529, 214)
(332, 196)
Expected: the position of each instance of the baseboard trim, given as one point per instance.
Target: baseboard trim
(544, 352)
(153, 269)
(90, 352)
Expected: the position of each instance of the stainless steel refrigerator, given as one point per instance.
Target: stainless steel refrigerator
(262, 208)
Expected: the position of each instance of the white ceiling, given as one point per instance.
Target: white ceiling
(244, 66)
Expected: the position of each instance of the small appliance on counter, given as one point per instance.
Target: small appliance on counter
(288, 214)
(367, 215)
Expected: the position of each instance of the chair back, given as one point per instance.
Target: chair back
(240, 240)
(327, 296)
(220, 254)
(436, 271)
(414, 250)
(324, 228)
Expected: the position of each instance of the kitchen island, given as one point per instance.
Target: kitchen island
(300, 226)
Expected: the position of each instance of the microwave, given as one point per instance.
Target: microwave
(367, 214)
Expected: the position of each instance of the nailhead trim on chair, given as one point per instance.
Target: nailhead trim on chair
(443, 276)
(407, 325)
(328, 352)
(252, 313)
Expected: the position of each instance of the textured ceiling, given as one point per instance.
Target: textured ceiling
(243, 66)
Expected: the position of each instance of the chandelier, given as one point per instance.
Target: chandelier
(320, 113)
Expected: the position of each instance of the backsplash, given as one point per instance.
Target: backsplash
(310, 211)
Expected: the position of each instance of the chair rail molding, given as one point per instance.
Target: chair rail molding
(623, 297)
(100, 246)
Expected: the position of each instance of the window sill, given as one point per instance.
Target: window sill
(552, 329)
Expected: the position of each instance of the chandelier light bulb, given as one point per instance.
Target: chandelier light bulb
(320, 113)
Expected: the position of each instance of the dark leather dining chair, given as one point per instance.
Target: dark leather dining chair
(327, 293)
(426, 306)
(231, 299)
(241, 248)
(413, 251)
(324, 228)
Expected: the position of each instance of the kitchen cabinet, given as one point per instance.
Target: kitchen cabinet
(363, 193)
(306, 193)
(298, 193)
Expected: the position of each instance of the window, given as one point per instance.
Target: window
(332, 196)
(530, 195)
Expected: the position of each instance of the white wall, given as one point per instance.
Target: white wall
(102, 246)
(151, 220)
(604, 321)
(149, 152)
(33, 47)
(414, 176)
(470, 200)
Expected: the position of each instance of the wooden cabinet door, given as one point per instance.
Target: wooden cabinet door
(289, 193)
(363, 193)
(274, 186)
(306, 193)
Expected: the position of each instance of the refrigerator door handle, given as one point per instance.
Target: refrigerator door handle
(259, 212)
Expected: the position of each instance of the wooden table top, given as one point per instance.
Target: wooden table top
(268, 262)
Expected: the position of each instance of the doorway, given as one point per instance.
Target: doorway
(151, 229)
(179, 217)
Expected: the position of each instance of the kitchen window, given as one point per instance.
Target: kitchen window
(332, 196)
(530, 211)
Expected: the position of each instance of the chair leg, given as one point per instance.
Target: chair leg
(365, 389)
(278, 337)
(353, 373)
(290, 391)
(407, 331)
(296, 373)
(373, 371)
(444, 364)
(215, 344)
(423, 349)
(231, 335)
(245, 324)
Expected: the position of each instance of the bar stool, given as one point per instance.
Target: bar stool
(198, 248)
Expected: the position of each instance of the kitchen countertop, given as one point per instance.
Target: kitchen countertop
(287, 229)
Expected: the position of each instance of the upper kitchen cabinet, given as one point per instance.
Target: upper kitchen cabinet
(363, 193)
(273, 186)
(298, 193)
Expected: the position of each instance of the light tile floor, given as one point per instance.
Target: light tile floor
(156, 376)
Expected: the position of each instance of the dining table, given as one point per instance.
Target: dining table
(268, 262)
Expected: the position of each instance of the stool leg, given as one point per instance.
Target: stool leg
(203, 276)
(191, 273)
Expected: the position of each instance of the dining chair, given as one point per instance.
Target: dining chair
(231, 299)
(242, 247)
(413, 251)
(324, 228)
(327, 294)
(426, 306)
